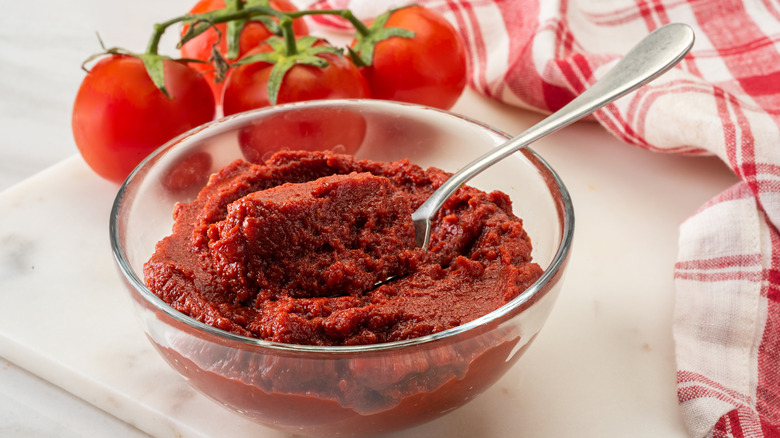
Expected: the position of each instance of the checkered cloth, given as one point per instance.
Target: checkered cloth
(723, 99)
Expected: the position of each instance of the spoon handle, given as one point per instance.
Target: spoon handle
(651, 57)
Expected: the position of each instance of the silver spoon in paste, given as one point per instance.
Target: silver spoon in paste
(652, 56)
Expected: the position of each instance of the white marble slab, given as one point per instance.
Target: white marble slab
(603, 365)
(32, 407)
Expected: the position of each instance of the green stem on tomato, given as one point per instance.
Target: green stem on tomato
(234, 28)
(359, 26)
(159, 29)
(288, 34)
(346, 14)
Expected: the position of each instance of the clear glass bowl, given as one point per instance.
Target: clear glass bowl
(356, 390)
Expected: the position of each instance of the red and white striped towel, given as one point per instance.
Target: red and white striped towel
(723, 99)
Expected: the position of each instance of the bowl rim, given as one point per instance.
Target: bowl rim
(550, 272)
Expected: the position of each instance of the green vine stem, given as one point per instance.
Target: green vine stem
(202, 22)
(159, 29)
(208, 19)
(289, 36)
(234, 28)
(346, 14)
(236, 13)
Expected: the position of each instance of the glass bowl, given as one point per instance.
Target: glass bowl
(345, 390)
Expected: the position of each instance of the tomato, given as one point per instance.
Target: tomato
(253, 33)
(246, 86)
(339, 130)
(120, 116)
(428, 69)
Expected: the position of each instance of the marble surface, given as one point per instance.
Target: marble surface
(74, 362)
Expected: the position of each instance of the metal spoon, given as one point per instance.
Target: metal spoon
(651, 57)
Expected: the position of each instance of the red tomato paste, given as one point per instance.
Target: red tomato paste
(292, 250)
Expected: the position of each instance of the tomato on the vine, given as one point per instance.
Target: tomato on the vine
(120, 116)
(429, 68)
(247, 85)
(253, 33)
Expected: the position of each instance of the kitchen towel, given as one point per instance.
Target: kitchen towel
(723, 100)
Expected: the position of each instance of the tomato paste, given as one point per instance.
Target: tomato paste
(318, 248)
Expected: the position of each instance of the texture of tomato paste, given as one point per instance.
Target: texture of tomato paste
(291, 250)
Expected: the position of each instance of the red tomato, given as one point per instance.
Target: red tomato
(339, 130)
(252, 34)
(120, 116)
(428, 69)
(246, 86)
